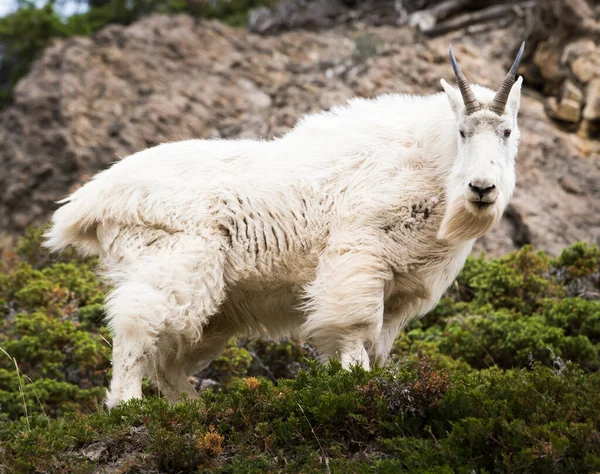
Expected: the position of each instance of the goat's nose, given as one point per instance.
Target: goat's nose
(481, 189)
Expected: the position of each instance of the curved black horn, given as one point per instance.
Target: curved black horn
(499, 103)
(471, 103)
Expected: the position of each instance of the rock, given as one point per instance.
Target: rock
(592, 100)
(95, 451)
(572, 92)
(570, 185)
(585, 129)
(292, 369)
(586, 67)
(208, 383)
(21, 219)
(201, 384)
(576, 49)
(325, 14)
(567, 109)
(547, 59)
(292, 14)
(519, 232)
(261, 21)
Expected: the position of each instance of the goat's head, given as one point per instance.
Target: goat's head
(483, 177)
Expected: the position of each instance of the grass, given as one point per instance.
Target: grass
(21, 390)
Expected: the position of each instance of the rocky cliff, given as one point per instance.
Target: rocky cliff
(89, 101)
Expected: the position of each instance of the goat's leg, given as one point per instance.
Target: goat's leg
(346, 306)
(165, 283)
(352, 354)
(395, 317)
(216, 336)
(381, 349)
(170, 378)
(136, 315)
(129, 366)
(170, 372)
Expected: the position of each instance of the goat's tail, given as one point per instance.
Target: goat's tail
(76, 221)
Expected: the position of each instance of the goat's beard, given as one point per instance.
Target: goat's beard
(461, 224)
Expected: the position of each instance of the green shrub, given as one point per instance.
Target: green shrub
(404, 418)
(577, 317)
(517, 281)
(511, 311)
(511, 340)
(52, 329)
(483, 383)
(578, 260)
(234, 362)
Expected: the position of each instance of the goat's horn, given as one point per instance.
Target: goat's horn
(471, 103)
(499, 103)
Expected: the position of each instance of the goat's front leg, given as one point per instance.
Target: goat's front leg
(346, 303)
(354, 352)
(392, 325)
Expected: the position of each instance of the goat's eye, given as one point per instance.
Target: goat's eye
(462, 134)
(507, 132)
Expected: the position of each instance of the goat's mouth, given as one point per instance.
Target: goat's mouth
(480, 205)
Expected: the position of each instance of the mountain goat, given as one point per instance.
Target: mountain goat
(339, 232)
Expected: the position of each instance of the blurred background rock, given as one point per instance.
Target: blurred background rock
(85, 82)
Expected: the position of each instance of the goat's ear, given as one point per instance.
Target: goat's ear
(453, 95)
(514, 97)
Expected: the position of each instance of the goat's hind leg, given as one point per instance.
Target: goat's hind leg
(129, 366)
(170, 377)
(153, 294)
(136, 315)
(215, 337)
(170, 371)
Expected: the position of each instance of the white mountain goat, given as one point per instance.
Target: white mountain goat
(339, 232)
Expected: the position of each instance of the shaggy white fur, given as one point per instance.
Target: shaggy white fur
(340, 232)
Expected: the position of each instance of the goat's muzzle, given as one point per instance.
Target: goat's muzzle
(481, 193)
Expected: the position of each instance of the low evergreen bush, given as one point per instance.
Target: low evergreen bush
(503, 376)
